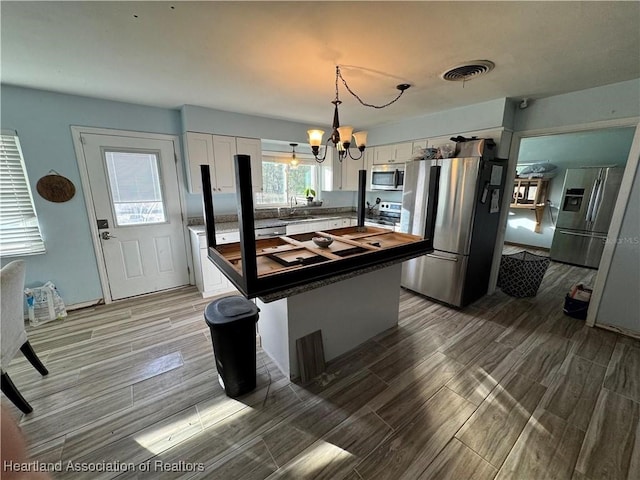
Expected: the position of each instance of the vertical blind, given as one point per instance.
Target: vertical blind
(19, 230)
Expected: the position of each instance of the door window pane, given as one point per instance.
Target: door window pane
(135, 188)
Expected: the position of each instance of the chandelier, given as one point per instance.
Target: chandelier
(341, 136)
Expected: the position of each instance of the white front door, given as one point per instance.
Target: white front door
(134, 188)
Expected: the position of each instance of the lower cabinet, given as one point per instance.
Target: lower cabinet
(209, 279)
(306, 227)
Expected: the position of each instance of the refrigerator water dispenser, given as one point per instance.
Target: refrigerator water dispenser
(573, 200)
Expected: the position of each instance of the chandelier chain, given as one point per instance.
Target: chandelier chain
(339, 74)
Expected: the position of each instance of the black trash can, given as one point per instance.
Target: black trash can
(232, 321)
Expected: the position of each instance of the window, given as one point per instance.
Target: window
(19, 229)
(281, 181)
(134, 184)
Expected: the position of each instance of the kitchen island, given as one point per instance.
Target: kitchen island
(348, 308)
(349, 289)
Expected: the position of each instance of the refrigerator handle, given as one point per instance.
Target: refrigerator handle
(432, 205)
(440, 257)
(577, 234)
(598, 201)
(594, 189)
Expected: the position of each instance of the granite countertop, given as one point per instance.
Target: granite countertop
(325, 281)
(232, 226)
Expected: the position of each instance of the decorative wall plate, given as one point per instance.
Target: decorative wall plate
(56, 188)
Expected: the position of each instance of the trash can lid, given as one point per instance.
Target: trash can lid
(230, 309)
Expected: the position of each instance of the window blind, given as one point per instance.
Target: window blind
(19, 229)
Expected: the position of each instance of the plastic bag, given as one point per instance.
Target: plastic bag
(580, 292)
(44, 304)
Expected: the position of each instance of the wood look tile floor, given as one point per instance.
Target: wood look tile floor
(505, 388)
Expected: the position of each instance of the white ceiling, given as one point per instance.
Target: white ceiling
(277, 59)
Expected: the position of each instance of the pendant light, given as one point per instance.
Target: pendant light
(294, 161)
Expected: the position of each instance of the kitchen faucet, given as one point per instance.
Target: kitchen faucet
(292, 199)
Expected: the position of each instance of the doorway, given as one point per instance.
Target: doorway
(552, 156)
(631, 159)
(131, 184)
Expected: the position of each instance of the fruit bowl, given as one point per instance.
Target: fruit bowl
(323, 242)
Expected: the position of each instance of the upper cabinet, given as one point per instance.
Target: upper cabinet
(350, 169)
(217, 151)
(394, 153)
(342, 176)
(253, 148)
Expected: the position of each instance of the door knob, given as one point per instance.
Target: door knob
(107, 235)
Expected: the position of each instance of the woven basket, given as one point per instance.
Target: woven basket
(521, 273)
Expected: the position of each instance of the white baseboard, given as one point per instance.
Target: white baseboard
(90, 303)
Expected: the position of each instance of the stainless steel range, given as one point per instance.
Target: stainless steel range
(388, 215)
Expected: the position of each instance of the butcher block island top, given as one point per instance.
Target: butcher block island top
(279, 267)
(287, 253)
(287, 265)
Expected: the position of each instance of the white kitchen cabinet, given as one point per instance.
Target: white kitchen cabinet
(306, 227)
(218, 151)
(394, 153)
(331, 170)
(339, 222)
(342, 176)
(253, 148)
(224, 148)
(198, 150)
(350, 172)
(209, 279)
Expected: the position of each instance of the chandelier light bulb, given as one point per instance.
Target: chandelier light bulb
(315, 137)
(345, 135)
(361, 139)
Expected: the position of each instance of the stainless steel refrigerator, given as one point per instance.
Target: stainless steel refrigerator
(470, 192)
(588, 197)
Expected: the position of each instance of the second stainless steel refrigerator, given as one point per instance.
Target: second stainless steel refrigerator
(589, 196)
(468, 212)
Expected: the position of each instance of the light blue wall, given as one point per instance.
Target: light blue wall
(208, 120)
(590, 148)
(43, 121)
(480, 116)
(620, 304)
(619, 100)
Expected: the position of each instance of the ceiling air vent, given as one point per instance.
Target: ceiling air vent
(468, 71)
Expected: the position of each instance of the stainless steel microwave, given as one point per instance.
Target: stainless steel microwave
(387, 177)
